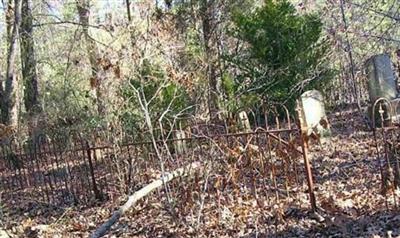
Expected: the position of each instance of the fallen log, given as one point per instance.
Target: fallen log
(181, 172)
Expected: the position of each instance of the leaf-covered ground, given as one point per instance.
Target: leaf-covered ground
(348, 190)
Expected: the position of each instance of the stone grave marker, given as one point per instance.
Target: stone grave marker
(381, 84)
(313, 109)
(381, 78)
(244, 123)
(180, 143)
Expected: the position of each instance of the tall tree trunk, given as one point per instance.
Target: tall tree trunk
(28, 60)
(96, 81)
(128, 10)
(10, 107)
(210, 53)
(349, 51)
(129, 15)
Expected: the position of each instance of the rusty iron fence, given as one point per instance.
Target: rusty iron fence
(268, 162)
(386, 127)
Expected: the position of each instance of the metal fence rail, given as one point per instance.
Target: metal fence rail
(386, 128)
(265, 163)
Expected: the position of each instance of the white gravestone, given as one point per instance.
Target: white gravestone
(313, 108)
(244, 123)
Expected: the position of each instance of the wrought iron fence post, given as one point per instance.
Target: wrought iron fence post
(96, 191)
(304, 147)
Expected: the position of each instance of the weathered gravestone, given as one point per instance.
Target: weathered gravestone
(313, 110)
(381, 84)
(180, 142)
(244, 123)
(381, 78)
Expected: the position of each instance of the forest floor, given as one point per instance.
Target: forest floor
(347, 181)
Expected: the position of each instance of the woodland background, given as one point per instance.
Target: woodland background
(81, 64)
(133, 68)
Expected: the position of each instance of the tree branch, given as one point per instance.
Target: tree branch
(181, 172)
(377, 12)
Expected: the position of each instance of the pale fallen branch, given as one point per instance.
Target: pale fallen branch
(181, 172)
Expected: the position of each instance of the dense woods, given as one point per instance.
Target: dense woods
(75, 63)
(101, 76)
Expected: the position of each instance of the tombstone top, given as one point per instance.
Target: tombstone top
(313, 107)
(381, 77)
(244, 122)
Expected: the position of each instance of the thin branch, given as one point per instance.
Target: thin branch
(101, 27)
(378, 12)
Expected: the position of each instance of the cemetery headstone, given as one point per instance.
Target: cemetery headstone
(180, 143)
(381, 78)
(381, 84)
(313, 108)
(244, 123)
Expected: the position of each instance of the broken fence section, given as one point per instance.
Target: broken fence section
(267, 163)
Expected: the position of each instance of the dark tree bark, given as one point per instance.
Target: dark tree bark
(208, 26)
(128, 10)
(10, 107)
(131, 30)
(28, 60)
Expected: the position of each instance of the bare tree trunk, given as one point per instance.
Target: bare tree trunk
(129, 15)
(208, 28)
(96, 81)
(8, 20)
(9, 17)
(10, 106)
(28, 60)
(128, 10)
(350, 53)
